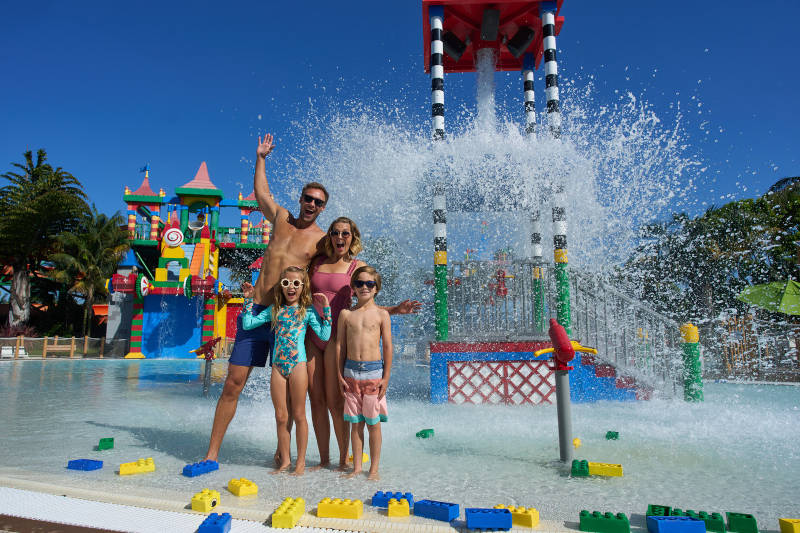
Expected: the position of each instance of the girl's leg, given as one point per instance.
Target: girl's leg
(357, 436)
(336, 402)
(375, 441)
(278, 389)
(298, 388)
(316, 394)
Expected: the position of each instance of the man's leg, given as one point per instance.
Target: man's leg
(226, 407)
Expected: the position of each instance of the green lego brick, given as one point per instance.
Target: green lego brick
(106, 443)
(714, 521)
(612, 435)
(425, 433)
(741, 522)
(580, 468)
(658, 510)
(604, 523)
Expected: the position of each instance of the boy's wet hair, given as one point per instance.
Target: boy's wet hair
(372, 272)
(315, 185)
(355, 244)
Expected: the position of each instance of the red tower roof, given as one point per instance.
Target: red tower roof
(463, 19)
(201, 179)
(144, 189)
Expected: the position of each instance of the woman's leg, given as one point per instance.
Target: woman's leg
(278, 389)
(316, 394)
(298, 387)
(336, 402)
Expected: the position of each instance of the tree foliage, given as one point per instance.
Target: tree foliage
(693, 268)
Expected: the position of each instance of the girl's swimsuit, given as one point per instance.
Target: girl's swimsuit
(290, 331)
(337, 288)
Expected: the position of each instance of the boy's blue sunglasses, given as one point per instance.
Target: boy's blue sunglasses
(361, 283)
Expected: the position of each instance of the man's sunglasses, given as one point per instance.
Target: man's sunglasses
(296, 283)
(345, 234)
(307, 198)
(361, 283)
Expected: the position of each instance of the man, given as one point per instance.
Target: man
(293, 243)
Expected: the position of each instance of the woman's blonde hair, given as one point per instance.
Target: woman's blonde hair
(303, 303)
(355, 244)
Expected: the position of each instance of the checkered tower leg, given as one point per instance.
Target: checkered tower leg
(538, 282)
(529, 64)
(207, 333)
(547, 14)
(563, 313)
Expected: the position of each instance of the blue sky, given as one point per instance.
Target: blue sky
(106, 87)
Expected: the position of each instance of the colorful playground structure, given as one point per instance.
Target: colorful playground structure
(166, 294)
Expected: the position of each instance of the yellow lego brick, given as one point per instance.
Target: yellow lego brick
(205, 501)
(522, 516)
(161, 274)
(789, 525)
(242, 487)
(137, 467)
(398, 508)
(183, 273)
(339, 508)
(288, 513)
(172, 253)
(605, 469)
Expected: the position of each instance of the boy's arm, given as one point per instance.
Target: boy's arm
(266, 202)
(386, 339)
(251, 322)
(340, 350)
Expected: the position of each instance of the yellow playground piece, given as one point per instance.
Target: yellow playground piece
(789, 525)
(205, 501)
(242, 487)
(137, 467)
(578, 347)
(522, 516)
(364, 458)
(576, 442)
(338, 508)
(398, 508)
(288, 513)
(605, 469)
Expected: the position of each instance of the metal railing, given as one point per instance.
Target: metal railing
(494, 300)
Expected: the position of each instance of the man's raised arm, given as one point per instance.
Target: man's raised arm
(264, 198)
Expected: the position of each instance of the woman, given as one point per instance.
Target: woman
(330, 274)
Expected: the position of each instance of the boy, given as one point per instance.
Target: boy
(363, 375)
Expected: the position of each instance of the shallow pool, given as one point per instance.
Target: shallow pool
(737, 451)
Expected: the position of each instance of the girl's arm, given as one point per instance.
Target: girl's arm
(252, 322)
(320, 325)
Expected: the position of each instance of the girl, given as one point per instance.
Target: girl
(290, 314)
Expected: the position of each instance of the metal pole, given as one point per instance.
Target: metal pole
(564, 410)
(207, 377)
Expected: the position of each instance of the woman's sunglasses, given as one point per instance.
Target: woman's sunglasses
(296, 283)
(307, 198)
(361, 283)
(345, 234)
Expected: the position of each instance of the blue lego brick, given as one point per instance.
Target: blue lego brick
(381, 499)
(84, 464)
(675, 524)
(497, 519)
(548, 5)
(216, 523)
(436, 11)
(437, 510)
(203, 467)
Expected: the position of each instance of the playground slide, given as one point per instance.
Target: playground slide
(196, 266)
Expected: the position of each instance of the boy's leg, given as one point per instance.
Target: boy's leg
(357, 438)
(375, 441)
(335, 403)
(316, 395)
(278, 389)
(298, 388)
(226, 407)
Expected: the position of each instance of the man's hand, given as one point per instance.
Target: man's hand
(382, 386)
(407, 307)
(265, 147)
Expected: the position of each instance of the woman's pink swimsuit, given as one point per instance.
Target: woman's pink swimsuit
(337, 288)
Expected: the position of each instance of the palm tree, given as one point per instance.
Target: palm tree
(38, 204)
(89, 256)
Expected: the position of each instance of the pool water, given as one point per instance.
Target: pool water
(737, 451)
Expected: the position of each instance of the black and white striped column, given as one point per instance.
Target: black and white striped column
(440, 261)
(563, 313)
(536, 274)
(437, 71)
(529, 65)
(550, 67)
(536, 235)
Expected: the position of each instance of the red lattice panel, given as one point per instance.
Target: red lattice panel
(507, 382)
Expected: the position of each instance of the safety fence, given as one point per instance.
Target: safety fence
(61, 347)
(497, 300)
